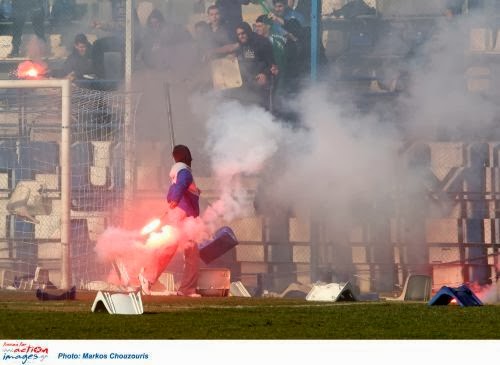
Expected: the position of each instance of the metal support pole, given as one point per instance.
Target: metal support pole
(66, 185)
(315, 26)
(315, 237)
(129, 44)
(128, 191)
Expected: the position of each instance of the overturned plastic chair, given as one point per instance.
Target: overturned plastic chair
(118, 303)
(462, 296)
(296, 290)
(417, 288)
(237, 289)
(40, 280)
(333, 292)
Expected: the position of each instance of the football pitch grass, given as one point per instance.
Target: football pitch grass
(22, 316)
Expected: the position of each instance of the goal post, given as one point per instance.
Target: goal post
(65, 161)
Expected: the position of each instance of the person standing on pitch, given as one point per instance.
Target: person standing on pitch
(183, 197)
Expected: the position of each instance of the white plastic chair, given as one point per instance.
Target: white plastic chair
(40, 279)
(480, 40)
(6, 278)
(118, 303)
(417, 287)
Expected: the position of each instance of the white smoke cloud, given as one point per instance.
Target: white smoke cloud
(327, 161)
(333, 158)
(439, 98)
(240, 141)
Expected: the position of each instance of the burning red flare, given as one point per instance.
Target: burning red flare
(157, 239)
(150, 227)
(31, 70)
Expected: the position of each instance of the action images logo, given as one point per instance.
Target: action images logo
(19, 352)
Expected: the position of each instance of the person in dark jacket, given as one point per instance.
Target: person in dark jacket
(298, 55)
(153, 41)
(263, 26)
(114, 41)
(160, 40)
(183, 197)
(78, 65)
(256, 60)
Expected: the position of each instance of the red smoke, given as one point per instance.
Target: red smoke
(150, 249)
(136, 252)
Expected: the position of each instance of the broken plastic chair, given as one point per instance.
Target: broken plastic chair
(332, 292)
(237, 289)
(417, 287)
(6, 278)
(40, 280)
(28, 200)
(462, 296)
(68, 295)
(296, 290)
(118, 303)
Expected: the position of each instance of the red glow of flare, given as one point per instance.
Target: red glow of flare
(30, 70)
(150, 227)
(453, 301)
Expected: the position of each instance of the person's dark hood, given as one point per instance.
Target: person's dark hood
(181, 153)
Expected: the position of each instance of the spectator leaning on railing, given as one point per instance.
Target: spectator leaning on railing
(78, 65)
(256, 60)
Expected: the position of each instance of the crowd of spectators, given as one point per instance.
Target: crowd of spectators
(273, 52)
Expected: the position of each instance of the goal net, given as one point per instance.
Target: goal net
(32, 198)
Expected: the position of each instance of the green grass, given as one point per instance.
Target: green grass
(22, 317)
